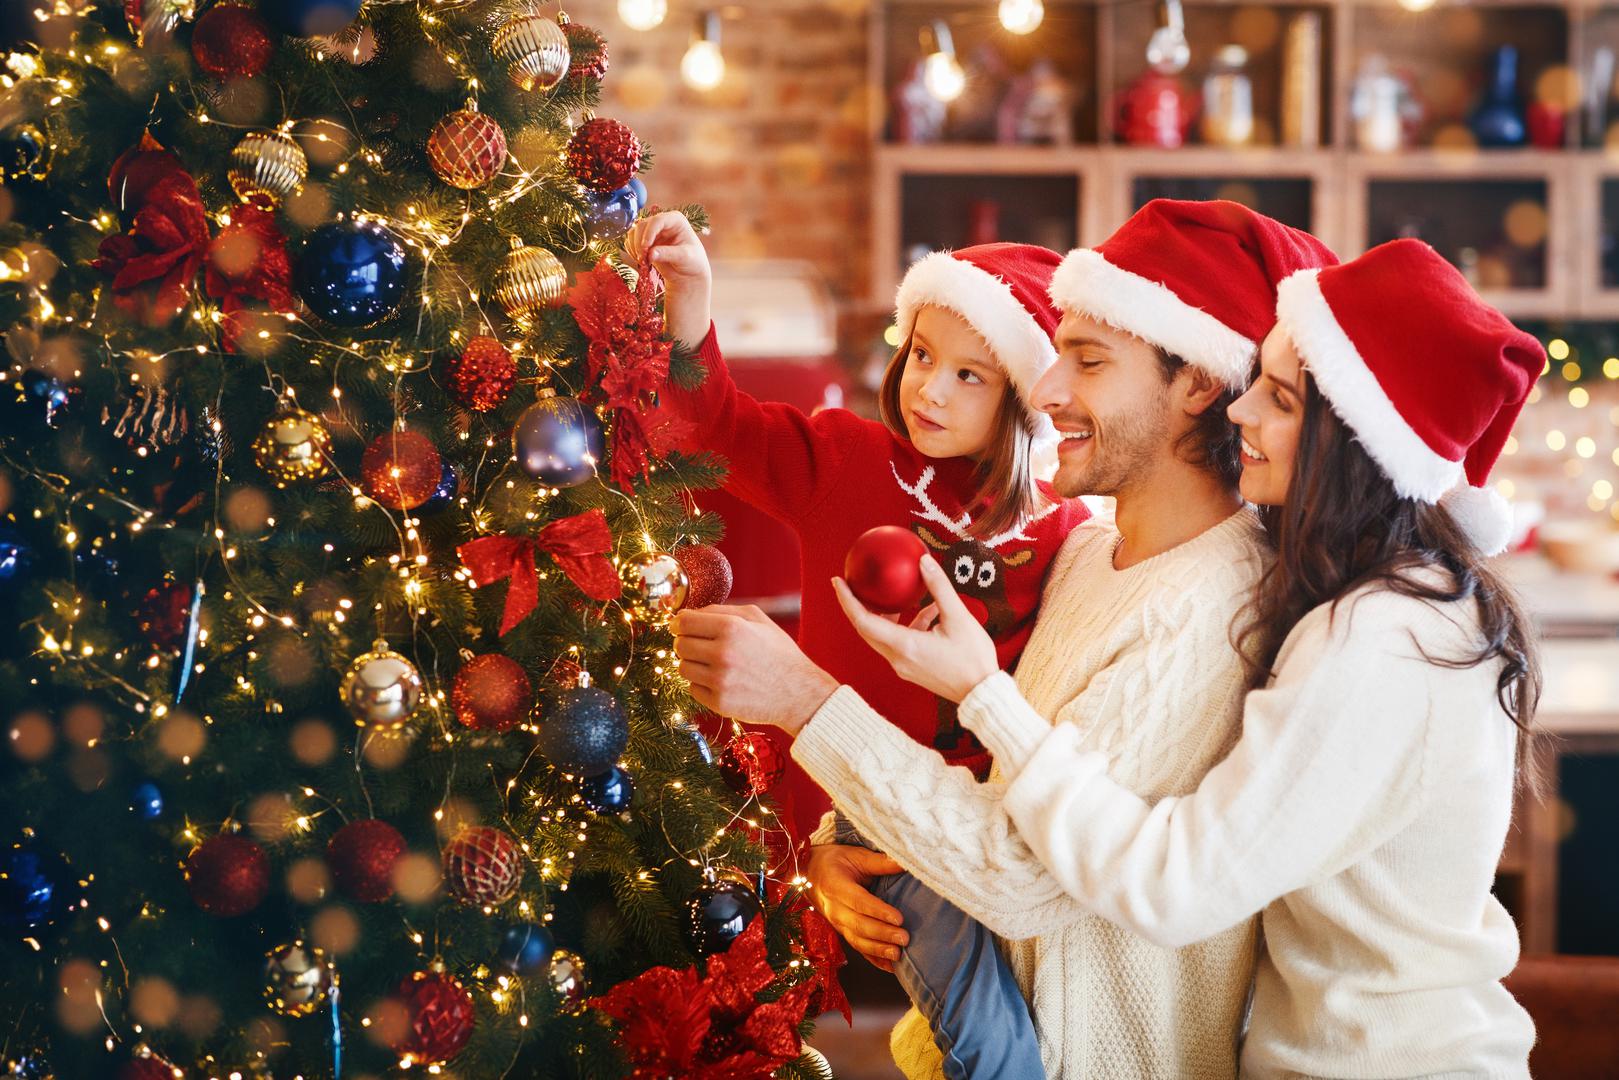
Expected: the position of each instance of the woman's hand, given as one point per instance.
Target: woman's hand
(838, 875)
(678, 256)
(944, 650)
(742, 665)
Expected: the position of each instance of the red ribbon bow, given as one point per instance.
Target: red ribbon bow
(579, 545)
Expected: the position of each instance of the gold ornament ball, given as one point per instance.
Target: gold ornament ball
(535, 51)
(381, 688)
(267, 166)
(658, 585)
(566, 975)
(297, 978)
(531, 280)
(294, 446)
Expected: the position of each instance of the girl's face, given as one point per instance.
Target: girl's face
(950, 392)
(1270, 415)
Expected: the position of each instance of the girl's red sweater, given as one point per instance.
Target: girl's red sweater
(832, 476)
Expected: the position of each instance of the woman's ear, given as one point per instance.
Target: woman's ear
(1198, 390)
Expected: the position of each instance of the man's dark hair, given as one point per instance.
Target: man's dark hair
(1213, 443)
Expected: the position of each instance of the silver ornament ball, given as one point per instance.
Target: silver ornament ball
(297, 978)
(382, 688)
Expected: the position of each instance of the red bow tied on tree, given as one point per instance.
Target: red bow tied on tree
(248, 261)
(579, 545)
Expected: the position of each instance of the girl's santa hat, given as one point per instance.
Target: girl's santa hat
(1428, 376)
(1001, 291)
(1195, 278)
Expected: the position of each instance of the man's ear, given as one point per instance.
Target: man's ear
(1198, 390)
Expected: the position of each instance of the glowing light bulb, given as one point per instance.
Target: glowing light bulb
(1416, 5)
(943, 77)
(642, 14)
(1022, 16)
(703, 66)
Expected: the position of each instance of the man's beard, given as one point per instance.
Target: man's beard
(1120, 458)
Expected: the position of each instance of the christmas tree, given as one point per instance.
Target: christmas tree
(338, 535)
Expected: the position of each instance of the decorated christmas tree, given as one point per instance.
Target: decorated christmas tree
(339, 532)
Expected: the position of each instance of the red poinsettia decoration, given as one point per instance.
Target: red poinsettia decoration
(153, 265)
(629, 363)
(822, 947)
(248, 261)
(710, 1026)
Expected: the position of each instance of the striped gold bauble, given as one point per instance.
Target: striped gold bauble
(535, 51)
(267, 165)
(531, 280)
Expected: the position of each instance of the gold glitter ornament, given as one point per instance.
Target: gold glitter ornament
(294, 446)
(531, 280)
(267, 166)
(535, 51)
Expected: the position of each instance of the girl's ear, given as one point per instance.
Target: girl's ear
(1199, 391)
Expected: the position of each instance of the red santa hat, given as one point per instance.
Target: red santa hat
(1001, 290)
(1428, 376)
(1196, 279)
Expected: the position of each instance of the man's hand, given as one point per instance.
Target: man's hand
(944, 650)
(742, 665)
(678, 256)
(838, 875)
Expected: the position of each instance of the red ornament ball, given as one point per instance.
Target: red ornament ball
(483, 865)
(362, 855)
(145, 1065)
(483, 375)
(228, 875)
(466, 149)
(566, 672)
(708, 574)
(401, 469)
(883, 568)
(491, 693)
(136, 172)
(163, 614)
(233, 41)
(604, 154)
(441, 1015)
(589, 51)
(751, 763)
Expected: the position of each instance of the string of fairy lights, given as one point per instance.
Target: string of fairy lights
(1567, 440)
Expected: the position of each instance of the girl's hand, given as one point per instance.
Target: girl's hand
(677, 254)
(838, 875)
(944, 650)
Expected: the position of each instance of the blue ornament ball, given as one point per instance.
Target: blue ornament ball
(309, 18)
(609, 214)
(638, 189)
(448, 485)
(34, 888)
(559, 442)
(353, 273)
(610, 792)
(146, 801)
(717, 914)
(525, 949)
(584, 732)
(16, 557)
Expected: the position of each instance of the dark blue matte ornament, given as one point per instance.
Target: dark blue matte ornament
(353, 273)
(559, 442)
(584, 732)
(35, 887)
(610, 792)
(449, 483)
(609, 214)
(525, 949)
(717, 913)
(309, 18)
(146, 801)
(16, 557)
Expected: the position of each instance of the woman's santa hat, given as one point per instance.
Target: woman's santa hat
(1196, 279)
(1001, 291)
(1428, 377)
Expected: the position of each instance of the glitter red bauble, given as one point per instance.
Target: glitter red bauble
(362, 855)
(232, 41)
(884, 569)
(163, 614)
(483, 375)
(751, 763)
(483, 865)
(604, 154)
(401, 469)
(491, 693)
(466, 149)
(589, 51)
(228, 875)
(565, 672)
(441, 1015)
(145, 1066)
(708, 574)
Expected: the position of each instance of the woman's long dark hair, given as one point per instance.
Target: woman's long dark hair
(1344, 526)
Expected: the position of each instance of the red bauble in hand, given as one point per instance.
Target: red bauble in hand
(751, 763)
(401, 469)
(362, 855)
(604, 154)
(483, 865)
(232, 41)
(441, 1015)
(708, 574)
(228, 875)
(483, 375)
(884, 570)
(491, 693)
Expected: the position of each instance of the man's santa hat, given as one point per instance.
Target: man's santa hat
(1428, 377)
(1196, 279)
(1001, 291)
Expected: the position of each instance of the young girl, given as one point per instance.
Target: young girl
(953, 461)
(1364, 809)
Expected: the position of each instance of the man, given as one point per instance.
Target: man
(1160, 328)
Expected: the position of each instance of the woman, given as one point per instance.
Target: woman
(1364, 809)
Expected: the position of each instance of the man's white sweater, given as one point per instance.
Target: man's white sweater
(1138, 665)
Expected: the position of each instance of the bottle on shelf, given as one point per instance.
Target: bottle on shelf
(1499, 121)
(1228, 99)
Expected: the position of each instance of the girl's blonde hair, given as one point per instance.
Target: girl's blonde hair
(1005, 474)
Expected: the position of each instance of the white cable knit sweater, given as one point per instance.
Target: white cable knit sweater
(1136, 665)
